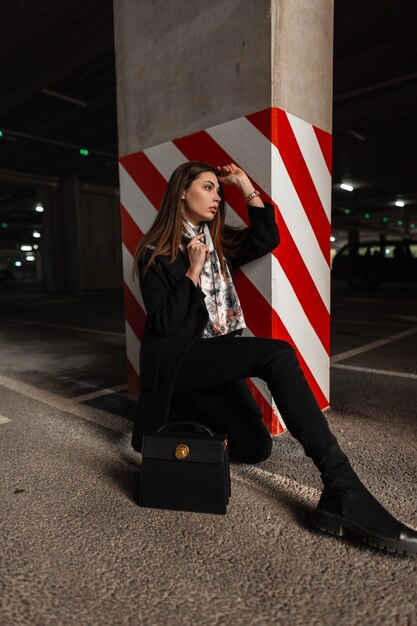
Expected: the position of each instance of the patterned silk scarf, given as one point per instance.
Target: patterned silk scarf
(222, 301)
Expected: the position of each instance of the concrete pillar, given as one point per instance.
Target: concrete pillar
(248, 82)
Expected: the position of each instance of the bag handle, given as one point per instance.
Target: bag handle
(197, 425)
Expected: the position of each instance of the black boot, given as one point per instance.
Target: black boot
(345, 503)
(347, 507)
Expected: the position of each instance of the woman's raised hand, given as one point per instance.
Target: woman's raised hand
(231, 175)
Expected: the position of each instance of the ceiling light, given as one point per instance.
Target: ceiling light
(36, 234)
(18, 263)
(332, 238)
(26, 247)
(346, 187)
(39, 207)
(399, 203)
(30, 258)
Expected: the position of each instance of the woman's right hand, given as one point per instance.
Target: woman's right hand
(197, 253)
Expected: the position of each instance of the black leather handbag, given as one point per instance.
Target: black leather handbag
(185, 469)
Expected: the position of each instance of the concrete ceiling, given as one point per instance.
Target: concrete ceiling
(67, 48)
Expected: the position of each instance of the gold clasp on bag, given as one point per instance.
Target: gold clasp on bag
(182, 451)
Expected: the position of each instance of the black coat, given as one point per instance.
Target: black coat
(176, 316)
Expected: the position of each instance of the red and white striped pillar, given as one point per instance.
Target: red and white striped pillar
(285, 294)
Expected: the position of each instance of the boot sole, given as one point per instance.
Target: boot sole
(336, 525)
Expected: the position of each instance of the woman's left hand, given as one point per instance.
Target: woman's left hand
(231, 175)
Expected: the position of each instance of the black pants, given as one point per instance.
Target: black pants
(212, 362)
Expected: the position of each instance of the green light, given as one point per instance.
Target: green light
(367, 216)
(347, 211)
(1, 133)
(5, 225)
(399, 222)
(385, 219)
(84, 152)
(412, 225)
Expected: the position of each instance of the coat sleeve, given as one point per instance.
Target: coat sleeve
(168, 309)
(263, 234)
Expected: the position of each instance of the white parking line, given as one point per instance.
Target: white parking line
(96, 394)
(108, 420)
(298, 490)
(336, 320)
(78, 328)
(371, 346)
(371, 370)
(4, 419)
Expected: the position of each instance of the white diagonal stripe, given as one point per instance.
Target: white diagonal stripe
(240, 138)
(285, 196)
(262, 386)
(127, 260)
(292, 315)
(132, 346)
(314, 159)
(249, 147)
(267, 271)
(140, 209)
(166, 157)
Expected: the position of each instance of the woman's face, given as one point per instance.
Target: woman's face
(199, 197)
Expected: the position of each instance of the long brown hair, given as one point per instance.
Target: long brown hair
(166, 231)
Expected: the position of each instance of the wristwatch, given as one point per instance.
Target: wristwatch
(252, 195)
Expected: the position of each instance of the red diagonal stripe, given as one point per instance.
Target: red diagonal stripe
(197, 144)
(325, 142)
(280, 331)
(269, 418)
(286, 143)
(264, 321)
(193, 146)
(134, 314)
(133, 380)
(131, 233)
(146, 176)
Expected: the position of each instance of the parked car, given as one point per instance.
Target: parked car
(370, 263)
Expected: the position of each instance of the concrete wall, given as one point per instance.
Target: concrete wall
(81, 247)
(302, 52)
(183, 66)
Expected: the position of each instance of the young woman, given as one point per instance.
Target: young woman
(194, 361)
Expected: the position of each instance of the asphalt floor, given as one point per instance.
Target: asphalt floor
(76, 547)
